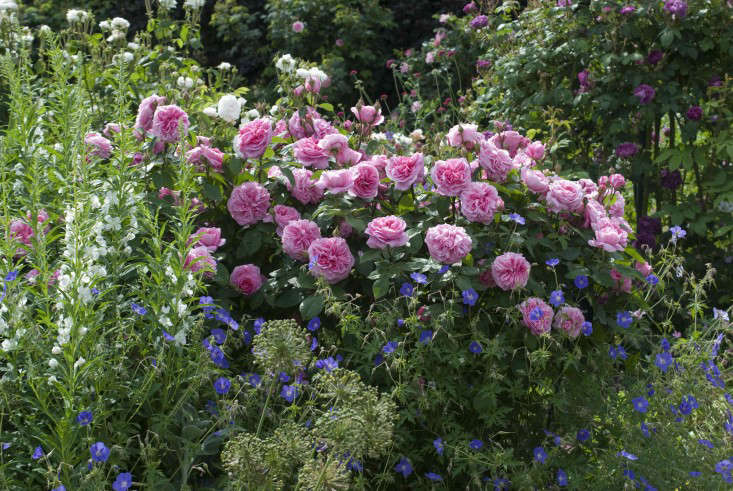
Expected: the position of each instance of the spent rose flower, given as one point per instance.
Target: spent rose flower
(405, 171)
(331, 259)
(253, 138)
(297, 236)
(645, 93)
(564, 195)
(694, 113)
(200, 259)
(479, 202)
(209, 237)
(246, 279)
(386, 231)
(495, 160)
(284, 215)
(536, 315)
(451, 176)
(248, 203)
(168, 123)
(510, 271)
(448, 244)
(365, 181)
(570, 320)
(98, 145)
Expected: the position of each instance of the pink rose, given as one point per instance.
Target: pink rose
(610, 236)
(253, 139)
(570, 320)
(21, 232)
(209, 237)
(616, 181)
(298, 26)
(337, 181)
(479, 202)
(308, 152)
(510, 271)
(451, 176)
(365, 183)
(616, 210)
(168, 123)
(522, 160)
(337, 145)
(368, 115)
(380, 162)
(623, 283)
(536, 315)
(589, 187)
(110, 129)
(248, 203)
(283, 216)
(145, 112)
(405, 171)
(466, 135)
(536, 181)
(594, 211)
(200, 259)
(305, 189)
(510, 141)
(213, 156)
(295, 128)
(448, 244)
(297, 236)
(386, 231)
(322, 128)
(565, 195)
(644, 268)
(246, 279)
(99, 145)
(496, 161)
(535, 150)
(331, 259)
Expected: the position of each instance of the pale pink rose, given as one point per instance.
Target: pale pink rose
(274, 172)
(298, 26)
(610, 236)
(337, 145)
(570, 320)
(536, 181)
(247, 279)
(368, 115)
(448, 244)
(110, 129)
(248, 203)
(541, 325)
(380, 162)
(337, 181)
(331, 259)
(521, 160)
(535, 150)
(479, 202)
(305, 189)
(644, 268)
(283, 216)
(308, 153)
(386, 231)
(430, 57)
(209, 237)
(466, 135)
(145, 112)
(594, 211)
(297, 236)
(322, 128)
(253, 138)
(98, 145)
(365, 183)
(510, 271)
(200, 259)
(565, 195)
(168, 123)
(405, 171)
(496, 161)
(589, 187)
(295, 127)
(451, 176)
(510, 141)
(616, 210)
(213, 156)
(617, 181)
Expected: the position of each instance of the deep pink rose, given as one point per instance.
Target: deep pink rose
(451, 176)
(536, 181)
(309, 153)
(610, 235)
(253, 139)
(298, 26)
(98, 145)
(538, 321)
(248, 203)
(21, 232)
(405, 171)
(479, 202)
(565, 195)
(644, 268)
(246, 279)
(365, 183)
(168, 123)
(510, 271)
(466, 135)
(617, 181)
(386, 231)
(337, 181)
(145, 112)
(305, 189)
(297, 236)
(448, 244)
(535, 150)
(495, 160)
(209, 237)
(331, 259)
(200, 259)
(283, 216)
(213, 156)
(570, 320)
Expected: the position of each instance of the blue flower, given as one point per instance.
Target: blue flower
(617, 352)
(406, 289)
(327, 364)
(419, 278)
(354, 465)
(469, 297)
(403, 467)
(37, 453)
(539, 454)
(652, 279)
(677, 233)
(587, 328)
(624, 319)
(536, 314)
(516, 217)
(289, 392)
(444, 269)
(664, 344)
(433, 476)
(581, 281)
(400, 322)
(390, 347)
(552, 262)
(438, 444)
(95, 291)
(222, 385)
(220, 335)
(123, 482)
(60, 487)
(84, 418)
(706, 443)
(218, 357)
(247, 337)
(624, 453)
(312, 262)
(475, 347)
(99, 451)
(138, 309)
(562, 478)
(378, 359)
(426, 336)
(500, 483)
(583, 435)
(283, 377)
(476, 444)
(663, 361)
(314, 324)
(259, 322)
(688, 404)
(314, 343)
(695, 473)
(645, 429)
(254, 379)
(11, 276)
(557, 298)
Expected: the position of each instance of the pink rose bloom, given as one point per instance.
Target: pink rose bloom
(570, 320)
(405, 171)
(248, 203)
(368, 115)
(617, 181)
(213, 156)
(168, 123)
(451, 176)
(281, 129)
(309, 153)
(99, 145)
(380, 162)
(510, 141)
(496, 161)
(644, 268)
(365, 183)
(565, 195)
(137, 158)
(594, 211)
(158, 147)
(386, 231)
(541, 325)
(522, 160)
(246, 279)
(209, 237)
(337, 145)
(297, 236)
(21, 232)
(283, 216)
(145, 112)
(510, 271)
(610, 236)
(298, 26)
(448, 244)
(305, 189)
(616, 210)
(623, 283)
(536, 181)
(253, 139)
(110, 129)
(331, 259)
(535, 150)
(466, 135)
(200, 259)
(589, 187)
(322, 128)
(337, 181)
(486, 279)
(479, 202)
(295, 127)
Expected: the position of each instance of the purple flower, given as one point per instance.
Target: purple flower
(475, 347)
(626, 150)
(584, 78)
(99, 451)
(479, 21)
(516, 217)
(433, 476)
(426, 336)
(677, 233)
(645, 429)
(438, 444)
(557, 298)
(676, 8)
(654, 57)
(581, 281)
(587, 328)
(640, 404)
(663, 361)
(138, 309)
(483, 64)
(84, 418)
(37, 453)
(289, 392)
(624, 319)
(645, 93)
(220, 335)
(406, 289)
(539, 454)
(123, 482)
(314, 324)
(583, 435)
(476, 444)
(222, 385)
(628, 9)
(403, 467)
(390, 347)
(469, 297)
(552, 262)
(469, 7)
(562, 478)
(652, 279)
(694, 113)
(706, 443)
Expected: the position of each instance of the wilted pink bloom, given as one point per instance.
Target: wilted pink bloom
(570, 320)
(209, 237)
(110, 129)
(510, 271)
(169, 122)
(510, 140)
(386, 231)
(479, 202)
(98, 145)
(405, 171)
(331, 259)
(536, 315)
(246, 279)
(448, 244)
(248, 203)
(297, 236)
(253, 138)
(200, 259)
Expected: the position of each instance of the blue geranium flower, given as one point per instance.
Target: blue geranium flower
(469, 297)
(426, 336)
(314, 324)
(84, 418)
(475, 347)
(476, 444)
(438, 444)
(586, 328)
(516, 217)
(652, 279)
(557, 298)
(138, 309)
(419, 278)
(99, 451)
(222, 385)
(403, 467)
(624, 319)
(583, 435)
(123, 482)
(289, 392)
(552, 262)
(539, 454)
(624, 453)
(562, 478)
(406, 289)
(433, 476)
(640, 404)
(663, 361)
(37, 453)
(390, 347)
(581, 281)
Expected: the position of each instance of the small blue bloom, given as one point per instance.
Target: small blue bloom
(419, 278)
(433, 476)
(444, 269)
(314, 324)
(312, 263)
(354, 465)
(283, 377)
(695, 473)
(61, 487)
(562, 478)
(247, 337)
(645, 429)
(516, 217)
(327, 364)
(706, 443)
(552, 262)
(426, 336)
(652, 279)
(378, 359)
(222, 385)
(665, 344)
(587, 328)
(438, 444)
(100, 452)
(400, 322)
(469, 297)
(220, 335)
(37, 453)
(95, 291)
(476, 444)
(663, 361)
(123, 482)
(536, 314)
(581, 281)
(677, 233)
(621, 352)
(314, 343)
(289, 392)
(390, 347)
(403, 467)
(624, 319)
(688, 404)
(254, 379)
(475, 347)
(624, 453)
(167, 336)
(11, 276)
(84, 418)
(406, 289)
(583, 435)
(138, 309)
(557, 298)
(539, 454)
(259, 322)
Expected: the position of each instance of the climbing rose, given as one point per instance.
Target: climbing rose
(246, 278)
(448, 244)
(536, 315)
(168, 123)
(248, 203)
(570, 320)
(510, 271)
(386, 231)
(331, 259)
(535, 180)
(479, 202)
(451, 176)
(253, 138)
(297, 236)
